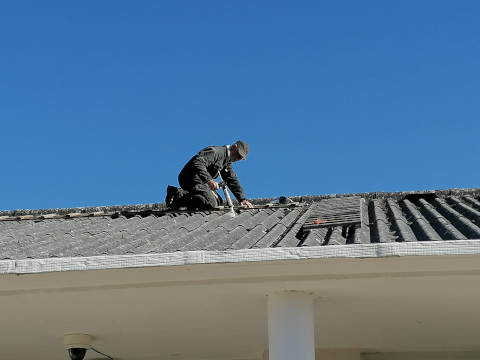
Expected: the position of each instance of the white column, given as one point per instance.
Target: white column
(290, 326)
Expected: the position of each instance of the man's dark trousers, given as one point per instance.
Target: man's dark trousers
(193, 195)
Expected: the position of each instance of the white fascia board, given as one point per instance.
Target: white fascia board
(431, 248)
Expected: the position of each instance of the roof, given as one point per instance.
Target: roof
(401, 217)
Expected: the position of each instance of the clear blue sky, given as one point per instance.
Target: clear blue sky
(102, 102)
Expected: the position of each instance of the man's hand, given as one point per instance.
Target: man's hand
(213, 185)
(247, 204)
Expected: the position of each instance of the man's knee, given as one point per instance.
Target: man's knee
(199, 197)
(204, 201)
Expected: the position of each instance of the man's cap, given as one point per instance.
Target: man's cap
(243, 149)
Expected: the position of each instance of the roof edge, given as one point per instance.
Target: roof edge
(361, 251)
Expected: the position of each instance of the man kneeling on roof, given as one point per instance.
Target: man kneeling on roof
(198, 189)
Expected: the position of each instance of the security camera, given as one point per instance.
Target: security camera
(77, 353)
(77, 345)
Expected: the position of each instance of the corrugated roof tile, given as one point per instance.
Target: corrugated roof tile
(465, 226)
(441, 225)
(290, 218)
(316, 237)
(420, 226)
(177, 244)
(295, 229)
(386, 217)
(213, 224)
(379, 230)
(271, 237)
(249, 239)
(273, 219)
(400, 224)
(226, 241)
(256, 219)
(237, 220)
(467, 211)
(289, 241)
(335, 237)
(203, 242)
(472, 202)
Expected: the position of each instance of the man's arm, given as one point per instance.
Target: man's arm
(229, 176)
(200, 162)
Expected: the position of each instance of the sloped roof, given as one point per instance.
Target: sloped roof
(145, 229)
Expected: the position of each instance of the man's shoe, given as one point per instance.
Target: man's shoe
(171, 192)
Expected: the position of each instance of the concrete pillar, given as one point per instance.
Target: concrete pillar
(290, 326)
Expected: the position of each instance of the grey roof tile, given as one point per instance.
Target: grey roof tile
(472, 202)
(420, 226)
(273, 219)
(289, 241)
(132, 243)
(336, 237)
(361, 235)
(135, 247)
(226, 241)
(237, 220)
(290, 218)
(177, 244)
(428, 211)
(316, 237)
(197, 220)
(70, 248)
(271, 237)
(441, 225)
(154, 222)
(386, 217)
(467, 211)
(400, 224)
(249, 239)
(107, 247)
(179, 219)
(213, 224)
(379, 230)
(31, 247)
(465, 226)
(203, 242)
(174, 233)
(443, 208)
(471, 231)
(301, 220)
(255, 219)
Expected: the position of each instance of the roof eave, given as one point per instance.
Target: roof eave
(361, 251)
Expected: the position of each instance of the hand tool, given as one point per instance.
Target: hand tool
(224, 186)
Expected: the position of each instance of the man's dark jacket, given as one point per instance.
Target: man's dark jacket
(206, 165)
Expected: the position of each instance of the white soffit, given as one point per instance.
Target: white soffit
(433, 248)
(437, 355)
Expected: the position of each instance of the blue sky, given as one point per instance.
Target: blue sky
(103, 102)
